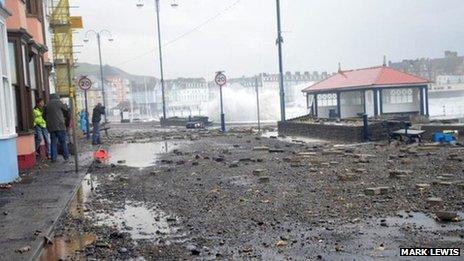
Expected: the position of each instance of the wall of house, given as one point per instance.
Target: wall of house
(18, 18)
(413, 106)
(8, 160)
(324, 111)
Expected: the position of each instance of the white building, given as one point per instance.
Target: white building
(8, 150)
(186, 96)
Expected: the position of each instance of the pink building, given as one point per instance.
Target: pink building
(29, 75)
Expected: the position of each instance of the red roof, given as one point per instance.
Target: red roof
(374, 77)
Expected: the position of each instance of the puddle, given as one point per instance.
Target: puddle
(144, 223)
(423, 221)
(77, 205)
(141, 155)
(65, 247)
(292, 139)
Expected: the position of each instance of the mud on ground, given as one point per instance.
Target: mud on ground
(242, 196)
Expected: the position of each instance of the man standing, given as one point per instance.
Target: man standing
(98, 111)
(55, 113)
(40, 127)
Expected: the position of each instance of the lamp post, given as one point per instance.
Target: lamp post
(157, 8)
(279, 41)
(99, 36)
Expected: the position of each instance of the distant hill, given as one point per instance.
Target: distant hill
(94, 70)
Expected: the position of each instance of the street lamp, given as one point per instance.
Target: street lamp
(279, 42)
(110, 39)
(174, 4)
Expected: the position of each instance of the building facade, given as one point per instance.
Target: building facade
(185, 96)
(29, 76)
(8, 150)
(431, 68)
(270, 82)
(377, 91)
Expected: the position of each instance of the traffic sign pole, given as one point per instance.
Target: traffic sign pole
(221, 80)
(87, 124)
(85, 84)
(223, 116)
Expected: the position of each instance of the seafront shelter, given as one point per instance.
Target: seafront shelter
(376, 91)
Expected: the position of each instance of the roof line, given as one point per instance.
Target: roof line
(361, 87)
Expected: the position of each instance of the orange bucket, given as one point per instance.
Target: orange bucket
(101, 156)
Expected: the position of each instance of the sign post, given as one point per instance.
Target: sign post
(221, 80)
(85, 84)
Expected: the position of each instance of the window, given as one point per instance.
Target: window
(26, 74)
(34, 7)
(327, 100)
(351, 98)
(12, 56)
(6, 102)
(398, 96)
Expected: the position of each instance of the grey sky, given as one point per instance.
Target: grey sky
(318, 34)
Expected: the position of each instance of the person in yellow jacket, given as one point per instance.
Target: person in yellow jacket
(40, 127)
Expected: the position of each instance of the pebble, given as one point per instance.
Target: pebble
(261, 148)
(259, 172)
(434, 201)
(24, 249)
(447, 215)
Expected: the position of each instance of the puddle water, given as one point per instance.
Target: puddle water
(77, 206)
(140, 155)
(144, 223)
(65, 247)
(423, 221)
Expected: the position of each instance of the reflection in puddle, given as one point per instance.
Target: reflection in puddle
(65, 247)
(77, 205)
(140, 155)
(144, 223)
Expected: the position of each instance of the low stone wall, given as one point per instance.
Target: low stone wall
(343, 133)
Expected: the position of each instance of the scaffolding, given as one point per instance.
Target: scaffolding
(62, 41)
(62, 26)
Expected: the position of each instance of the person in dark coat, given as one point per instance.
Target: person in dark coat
(97, 113)
(55, 113)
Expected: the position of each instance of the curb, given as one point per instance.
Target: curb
(40, 246)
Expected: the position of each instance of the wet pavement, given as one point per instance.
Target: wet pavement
(30, 209)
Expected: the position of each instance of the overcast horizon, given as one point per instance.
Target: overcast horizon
(238, 36)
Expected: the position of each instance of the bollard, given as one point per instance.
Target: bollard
(365, 128)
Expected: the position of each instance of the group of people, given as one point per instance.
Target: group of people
(51, 122)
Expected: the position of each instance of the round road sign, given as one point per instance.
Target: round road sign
(84, 83)
(220, 79)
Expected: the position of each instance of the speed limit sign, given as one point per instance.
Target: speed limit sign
(84, 83)
(220, 79)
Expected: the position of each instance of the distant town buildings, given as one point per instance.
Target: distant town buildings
(292, 82)
(446, 72)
